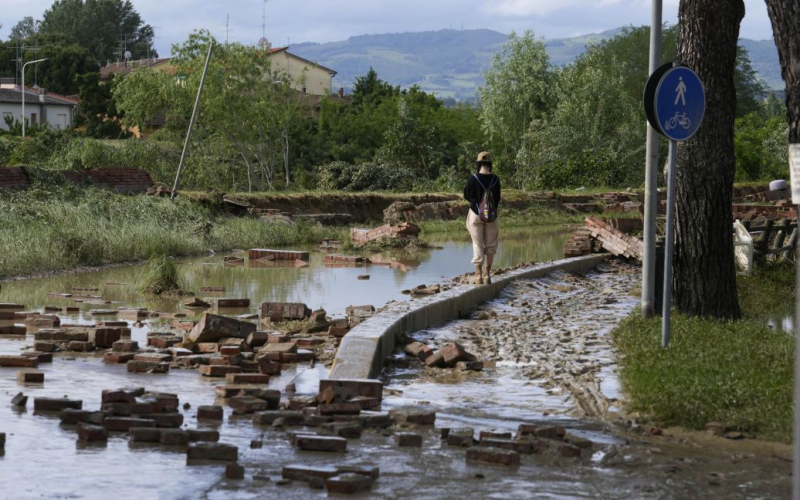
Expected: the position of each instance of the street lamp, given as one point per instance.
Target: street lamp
(23, 91)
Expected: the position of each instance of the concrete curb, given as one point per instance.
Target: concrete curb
(363, 349)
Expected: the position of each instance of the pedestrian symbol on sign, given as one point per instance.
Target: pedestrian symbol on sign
(681, 90)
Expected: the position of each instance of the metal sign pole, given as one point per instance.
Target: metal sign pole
(669, 245)
(191, 122)
(794, 172)
(651, 179)
(796, 444)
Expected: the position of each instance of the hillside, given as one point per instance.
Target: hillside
(450, 62)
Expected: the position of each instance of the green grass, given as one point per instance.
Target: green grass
(768, 291)
(66, 228)
(161, 277)
(739, 373)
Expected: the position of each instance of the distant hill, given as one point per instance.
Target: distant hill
(450, 63)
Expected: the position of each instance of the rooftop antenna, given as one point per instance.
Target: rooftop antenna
(264, 21)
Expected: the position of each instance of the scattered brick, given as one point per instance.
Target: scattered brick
(228, 302)
(205, 435)
(145, 434)
(125, 423)
(174, 437)
(136, 366)
(90, 432)
(118, 357)
(321, 443)
(460, 437)
(212, 451)
(496, 456)
(125, 346)
(290, 418)
(212, 328)
(218, 370)
(19, 400)
(348, 483)
(410, 439)
(355, 387)
(18, 362)
(210, 412)
(413, 416)
(56, 404)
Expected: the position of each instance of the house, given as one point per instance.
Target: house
(41, 106)
(317, 77)
(163, 64)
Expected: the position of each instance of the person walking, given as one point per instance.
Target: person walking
(483, 194)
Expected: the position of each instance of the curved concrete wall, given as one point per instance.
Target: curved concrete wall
(363, 349)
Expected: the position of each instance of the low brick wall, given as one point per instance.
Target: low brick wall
(124, 180)
(363, 349)
(13, 178)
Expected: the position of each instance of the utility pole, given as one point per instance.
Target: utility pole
(191, 121)
(23, 91)
(651, 178)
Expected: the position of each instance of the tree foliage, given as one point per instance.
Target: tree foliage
(517, 92)
(99, 26)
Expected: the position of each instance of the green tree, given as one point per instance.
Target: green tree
(516, 93)
(409, 143)
(99, 26)
(97, 107)
(371, 90)
(595, 123)
(24, 29)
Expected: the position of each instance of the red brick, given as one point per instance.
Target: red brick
(56, 404)
(322, 443)
(496, 456)
(218, 370)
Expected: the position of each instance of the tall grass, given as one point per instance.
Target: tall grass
(69, 227)
(161, 277)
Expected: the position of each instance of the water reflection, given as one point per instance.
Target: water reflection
(317, 285)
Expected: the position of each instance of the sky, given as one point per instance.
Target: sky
(295, 21)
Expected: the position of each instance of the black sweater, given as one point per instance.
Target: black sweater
(473, 191)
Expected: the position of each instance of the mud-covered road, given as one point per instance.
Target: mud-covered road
(549, 340)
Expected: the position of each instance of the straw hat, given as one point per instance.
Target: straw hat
(484, 156)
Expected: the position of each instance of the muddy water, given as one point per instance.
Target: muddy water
(44, 460)
(317, 285)
(549, 339)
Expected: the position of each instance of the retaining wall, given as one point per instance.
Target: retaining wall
(363, 349)
(124, 180)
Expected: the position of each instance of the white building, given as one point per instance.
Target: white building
(56, 110)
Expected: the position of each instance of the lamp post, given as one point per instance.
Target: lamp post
(23, 91)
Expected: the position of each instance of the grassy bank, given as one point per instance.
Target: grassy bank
(67, 227)
(739, 373)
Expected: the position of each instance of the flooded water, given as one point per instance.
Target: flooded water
(318, 286)
(44, 460)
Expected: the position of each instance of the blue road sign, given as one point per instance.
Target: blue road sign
(680, 103)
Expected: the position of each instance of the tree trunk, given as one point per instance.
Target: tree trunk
(704, 280)
(785, 17)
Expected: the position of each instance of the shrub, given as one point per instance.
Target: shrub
(162, 277)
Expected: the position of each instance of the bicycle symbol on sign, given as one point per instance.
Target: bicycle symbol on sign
(680, 119)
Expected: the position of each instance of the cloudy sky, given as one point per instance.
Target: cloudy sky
(332, 20)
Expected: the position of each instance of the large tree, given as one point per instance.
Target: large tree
(104, 27)
(705, 277)
(785, 17)
(24, 29)
(518, 90)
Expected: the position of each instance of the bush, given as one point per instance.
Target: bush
(587, 168)
(342, 176)
(162, 277)
(761, 148)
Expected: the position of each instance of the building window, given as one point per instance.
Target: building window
(33, 118)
